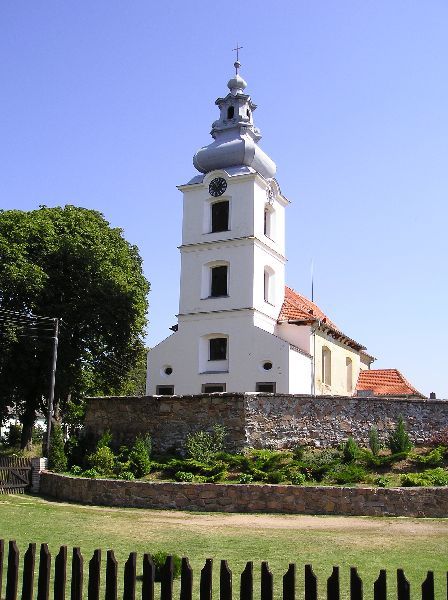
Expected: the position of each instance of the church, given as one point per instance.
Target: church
(240, 328)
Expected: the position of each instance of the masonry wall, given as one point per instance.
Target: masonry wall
(263, 421)
(410, 502)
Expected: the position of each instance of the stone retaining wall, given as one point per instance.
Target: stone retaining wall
(409, 502)
(263, 420)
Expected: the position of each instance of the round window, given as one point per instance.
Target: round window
(267, 366)
(168, 370)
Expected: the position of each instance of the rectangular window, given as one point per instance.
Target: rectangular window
(220, 216)
(209, 388)
(218, 285)
(266, 387)
(218, 349)
(165, 390)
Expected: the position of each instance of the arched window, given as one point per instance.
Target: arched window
(269, 221)
(230, 112)
(268, 285)
(326, 366)
(349, 369)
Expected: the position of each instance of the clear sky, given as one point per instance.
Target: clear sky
(103, 104)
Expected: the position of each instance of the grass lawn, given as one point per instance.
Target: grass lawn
(417, 545)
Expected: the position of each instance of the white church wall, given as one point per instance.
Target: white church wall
(248, 348)
(263, 260)
(299, 373)
(297, 335)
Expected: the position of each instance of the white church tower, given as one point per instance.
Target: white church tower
(232, 284)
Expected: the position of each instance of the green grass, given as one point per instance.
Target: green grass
(417, 545)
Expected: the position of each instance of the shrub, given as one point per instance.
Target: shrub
(245, 478)
(298, 478)
(105, 440)
(347, 474)
(381, 481)
(102, 460)
(399, 440)
(57, 461)
(139, 462)
(298, 452)
(184, 476)
(127, 475)
(434, 458)
(350, 450)
(202, 445)
(374, 441)
(38, 435)
(275, 477)
(430, 477)
(317, 464)
(159, 559)
(91, 473)
(75, 470)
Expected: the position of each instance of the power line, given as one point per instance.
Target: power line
(25, 315)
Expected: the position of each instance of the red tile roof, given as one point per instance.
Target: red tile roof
(298, 309)
(386, 382)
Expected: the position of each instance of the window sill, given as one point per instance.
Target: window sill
(211, 297)
(217, 231)
(211, 372)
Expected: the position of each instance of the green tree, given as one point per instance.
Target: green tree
(67, 263)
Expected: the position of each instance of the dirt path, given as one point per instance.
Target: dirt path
(397, 525)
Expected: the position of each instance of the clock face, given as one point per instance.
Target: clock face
(217, 186)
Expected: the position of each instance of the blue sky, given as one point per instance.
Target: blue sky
(104, 103)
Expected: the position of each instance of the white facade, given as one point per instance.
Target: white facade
(232, 275)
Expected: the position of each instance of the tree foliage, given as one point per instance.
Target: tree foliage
(68, 263)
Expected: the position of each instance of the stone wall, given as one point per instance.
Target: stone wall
(410, 502)
(259, 420)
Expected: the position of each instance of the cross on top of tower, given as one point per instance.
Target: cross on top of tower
(237, 63)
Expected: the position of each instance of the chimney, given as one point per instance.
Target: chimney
(432, 396)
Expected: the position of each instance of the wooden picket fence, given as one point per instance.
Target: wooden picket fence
(15, 475)
(130, 587)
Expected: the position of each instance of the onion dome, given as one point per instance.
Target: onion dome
(235, 135)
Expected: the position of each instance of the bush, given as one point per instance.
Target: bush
(75, 470)
(245, 478)
(381, 481)
(275, 477)
(202, 445)
(139, 461)
(374, 441)
(430, 477)
(434, 458)
(127, 475)
(399, 440)
(298, 452)
(298, 478)
(102, 461)
(350, 450)
(317, 464)
(91, 473)
(57, 461)
(159, 559)
(105, 440)
(347, 474)
(184, 476)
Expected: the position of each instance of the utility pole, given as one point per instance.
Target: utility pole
(52, 382)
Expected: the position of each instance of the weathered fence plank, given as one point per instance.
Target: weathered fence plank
(15, 475)
(111, 576)
(149, 572)
(266, 582)
(93, 589)
(12, 575)
(355, 584)
(310, 583)
(130, 576)
(28, 572)
(60, 573)
(403, 586)
(333, 586)
(225, 581)
(289, 583)
(77, 575)
(380, 586)
(43, 582)
(166, 579)
(428, 587)
(247, 582)
(205, 584)
(186, 580)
